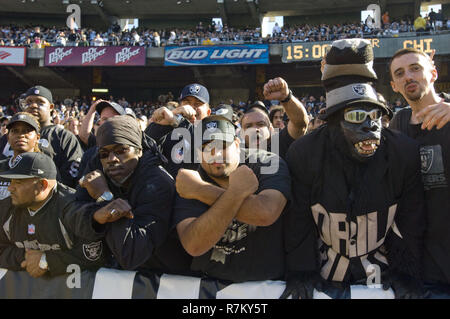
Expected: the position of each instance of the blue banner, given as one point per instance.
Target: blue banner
(217, 55)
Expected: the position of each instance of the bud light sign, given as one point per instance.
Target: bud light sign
(207, 55)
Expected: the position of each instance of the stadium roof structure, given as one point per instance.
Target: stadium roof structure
(180, 8)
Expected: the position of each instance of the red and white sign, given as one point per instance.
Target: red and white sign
(13, 56)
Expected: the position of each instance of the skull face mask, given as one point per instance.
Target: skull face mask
(361, 126)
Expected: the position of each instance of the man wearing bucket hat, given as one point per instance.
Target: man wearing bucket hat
(356, 189)
(228, 213)
(36, 233)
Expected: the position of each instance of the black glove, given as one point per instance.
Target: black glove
(404, 286)
(301, 285)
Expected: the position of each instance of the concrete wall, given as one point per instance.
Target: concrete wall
(330, 18)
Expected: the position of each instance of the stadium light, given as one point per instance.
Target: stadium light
(65, 1)
(100, 90)
(93, 1)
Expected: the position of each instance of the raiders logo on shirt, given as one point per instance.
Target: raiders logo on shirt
(43, 143)
(93, 250)
(432, 167)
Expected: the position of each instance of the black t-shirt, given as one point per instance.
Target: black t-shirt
(435, 157)
(245, 252)
(284, 140)
(65, 150)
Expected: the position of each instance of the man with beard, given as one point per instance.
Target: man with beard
(257, 130)
(23, 137)
(358, 209)
(413, 75)
(36, 233)
(61, 145)
(228, 213)
(129, 202)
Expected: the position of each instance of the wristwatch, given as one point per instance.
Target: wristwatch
(43, 262)
(177, 120)
(288, 98)
(106, 196)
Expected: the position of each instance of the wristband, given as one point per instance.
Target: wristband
(288, 98)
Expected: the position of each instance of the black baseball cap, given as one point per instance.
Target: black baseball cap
(31, 165)
(217, 127)
(39, 91)
(25, 118)
(5, 117)
(259, 105)
(195, 90)
(104, 104)
(224, 110)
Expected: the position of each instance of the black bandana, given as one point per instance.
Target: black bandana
(120, 129)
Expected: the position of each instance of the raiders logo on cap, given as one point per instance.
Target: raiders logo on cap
(222, 111)
(211, 126)
(93, 250)
(194, 89)
(21, 117)
(359, 89)
(16, 161)
(36, 92)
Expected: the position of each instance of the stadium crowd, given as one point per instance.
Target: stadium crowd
(308, 191)
(39, 36)
(70, 111)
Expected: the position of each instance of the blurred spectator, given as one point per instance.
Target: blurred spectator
(73, 38)
(83, 42)
(61, 39)
(420, 25)
(276, 116)
(385, 18)
(439, 20)
(156, 39)
(3, 123)
(98, 41)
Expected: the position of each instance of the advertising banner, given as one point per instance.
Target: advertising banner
(217, 55)
(95, 56)
(13, 56)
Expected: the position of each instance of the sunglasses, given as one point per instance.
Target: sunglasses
(117, 152)
(359, 116)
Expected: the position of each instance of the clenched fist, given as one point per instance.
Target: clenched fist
(187, 111)
(276, 89)
(163, 116)
(95, 183)
(115, 210)
(243, 181)
(188, 183)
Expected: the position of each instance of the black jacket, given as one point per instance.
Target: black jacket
(65, 150)
(360, 214)
(178, 151)
(51, 230)
(150, 194)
